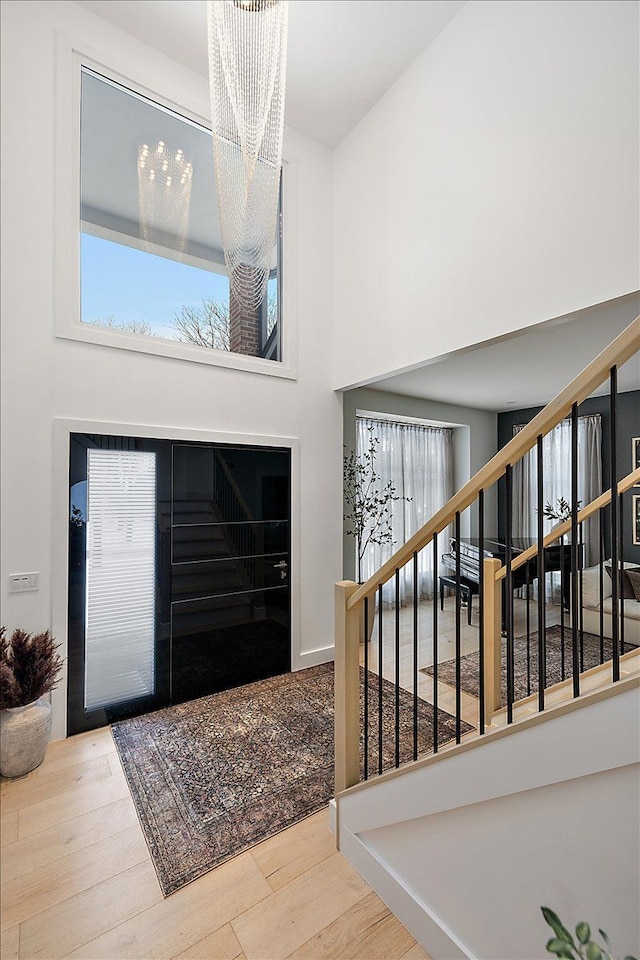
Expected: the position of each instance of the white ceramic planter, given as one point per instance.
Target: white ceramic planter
(24, 735)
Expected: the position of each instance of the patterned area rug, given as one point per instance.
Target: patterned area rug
(522, 686)
(214, 776)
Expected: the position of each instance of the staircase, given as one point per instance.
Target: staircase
(538, 802)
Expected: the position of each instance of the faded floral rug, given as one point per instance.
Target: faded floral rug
(217, 775)
(526, 678)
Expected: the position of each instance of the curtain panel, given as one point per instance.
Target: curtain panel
(556, 453)
(418, 460)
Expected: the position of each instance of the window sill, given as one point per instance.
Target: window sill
(157, 346)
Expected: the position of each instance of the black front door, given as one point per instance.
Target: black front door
(178, 572)
(230, 567)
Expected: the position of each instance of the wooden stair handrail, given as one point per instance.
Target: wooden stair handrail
(625, 345)
(629, 481)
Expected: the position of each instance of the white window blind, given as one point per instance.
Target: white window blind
(120, 601)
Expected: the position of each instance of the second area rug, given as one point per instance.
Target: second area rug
(559, 664)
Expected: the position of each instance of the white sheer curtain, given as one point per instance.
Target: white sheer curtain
(556, 451)
(418, 459)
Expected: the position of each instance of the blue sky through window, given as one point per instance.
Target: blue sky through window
(131, 285)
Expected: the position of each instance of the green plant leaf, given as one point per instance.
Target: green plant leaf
(554, 922)
(594, 952)
(561, 948)
(626, 958)
(606, 939)
(583, 933)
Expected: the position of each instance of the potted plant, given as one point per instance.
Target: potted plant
(561, 511)
(29, 668)
(583, 947)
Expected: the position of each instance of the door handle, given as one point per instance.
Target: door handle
(282, 567)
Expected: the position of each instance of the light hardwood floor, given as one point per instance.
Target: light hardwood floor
(77, 881)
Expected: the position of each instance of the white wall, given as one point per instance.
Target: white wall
(468, 848)
(493, 187)
(45, 378)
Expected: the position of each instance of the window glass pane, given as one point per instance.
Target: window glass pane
(151, 250)
(120, 601)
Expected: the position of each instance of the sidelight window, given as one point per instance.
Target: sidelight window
(120, 577)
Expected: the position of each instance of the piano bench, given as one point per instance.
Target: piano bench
(467, 590)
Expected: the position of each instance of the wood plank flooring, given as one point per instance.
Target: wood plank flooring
(77, 881)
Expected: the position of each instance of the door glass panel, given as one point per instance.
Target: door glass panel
(121, 576)
(220, 541)
(223, 641)
(211, 578)
(229, 484)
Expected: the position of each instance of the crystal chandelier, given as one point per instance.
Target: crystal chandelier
(247, 68)
(164, 194)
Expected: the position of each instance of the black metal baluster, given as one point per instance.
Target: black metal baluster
(380, 726)
(527, 588)
(621, 542)
(435, 642)
(581, 592)
(563, 664)
(542, 644)
(509, 589)
(601, 578)
(397, 651)
(366, 688)
(458, 636)
(574, 551)
(415, 656)
(481, 691)
(613, 517)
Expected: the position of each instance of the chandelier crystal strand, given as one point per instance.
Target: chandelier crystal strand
(247, 72)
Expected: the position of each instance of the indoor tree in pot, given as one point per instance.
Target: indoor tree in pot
(29, 668)
(369, 501)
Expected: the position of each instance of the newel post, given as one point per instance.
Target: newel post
(492, 607)
(347, 689)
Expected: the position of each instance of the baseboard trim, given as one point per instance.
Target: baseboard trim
(427, 929)
(312, 658)
(333, 816)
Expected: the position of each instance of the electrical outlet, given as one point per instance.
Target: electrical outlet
(23, 582)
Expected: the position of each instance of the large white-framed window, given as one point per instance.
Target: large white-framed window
(139, 264)
(417, 458)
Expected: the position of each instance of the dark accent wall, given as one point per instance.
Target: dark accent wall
(628, 426)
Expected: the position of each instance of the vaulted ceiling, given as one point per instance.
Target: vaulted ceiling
(342, 54)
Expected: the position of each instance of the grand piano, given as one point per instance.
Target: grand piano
(557, 557)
